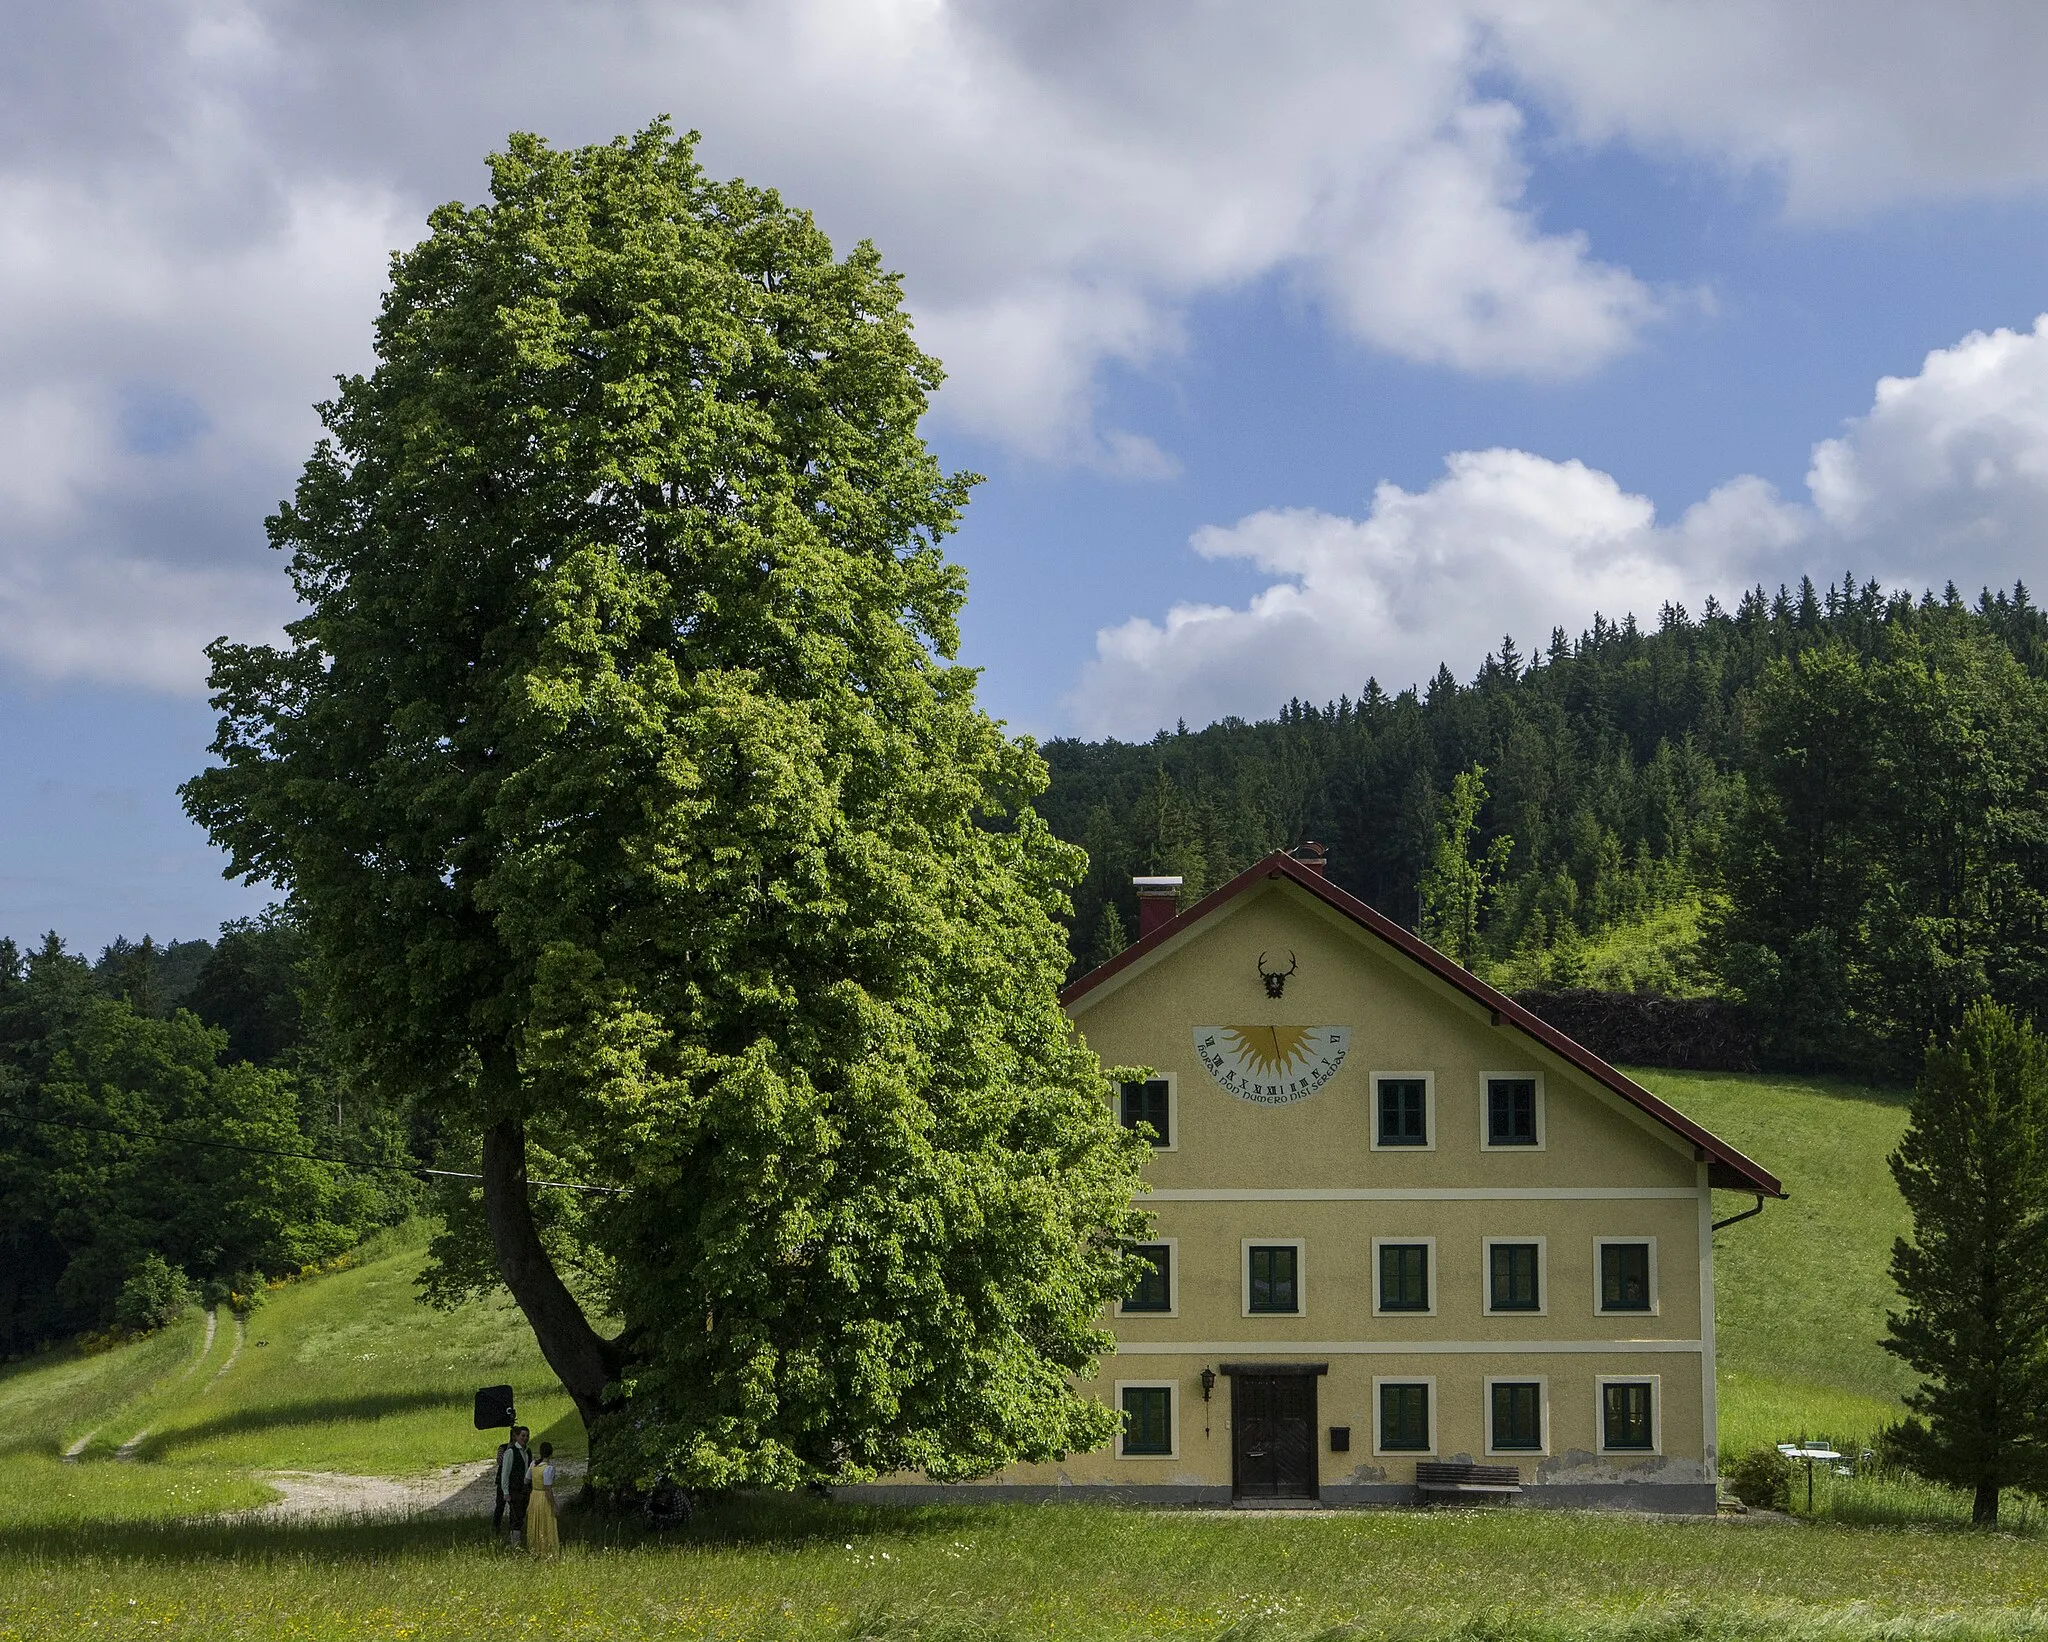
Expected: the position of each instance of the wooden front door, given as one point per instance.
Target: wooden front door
(1273, 1436)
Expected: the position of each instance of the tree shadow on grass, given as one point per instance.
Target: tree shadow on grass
(1831, 1087)
(311, 1411)
(1827, 1085)
(567, 1434)
(780, 1521)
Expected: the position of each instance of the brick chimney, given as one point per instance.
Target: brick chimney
(1313, 856)
(1158, 901)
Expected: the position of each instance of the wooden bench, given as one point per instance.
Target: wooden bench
(1434, 1477)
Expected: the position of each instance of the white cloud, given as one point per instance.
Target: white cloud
(1855, 103)
(1057, 182)
(156, 403)
(1948, 473)
(1945, 477)
(196, 200)
(1444, 268)
(1505, 541)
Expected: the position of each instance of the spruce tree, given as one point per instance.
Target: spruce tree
(1973, 1168)
(1110, 938)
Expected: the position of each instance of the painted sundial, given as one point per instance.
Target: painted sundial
(1272, 1065)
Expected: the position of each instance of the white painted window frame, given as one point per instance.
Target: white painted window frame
(1599, 1287)
(1378, 1310)
(1486, 1306)
(1428, 1111)
(1172, 1390)
(1378, 1425)
(1656, 1384)
(1542, 1383)
(1244, 1272)
(1172, 1082)
(1172, 1245)
(1486, 1082)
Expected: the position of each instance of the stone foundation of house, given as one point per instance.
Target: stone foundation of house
(1666, 1498)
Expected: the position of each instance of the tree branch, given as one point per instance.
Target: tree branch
(584, 1361)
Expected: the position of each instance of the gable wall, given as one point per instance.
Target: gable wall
(1403, 1019)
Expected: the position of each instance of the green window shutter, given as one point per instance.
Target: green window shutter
(1148, 1419)
(1154, 1291)
(1275, 1278)
(1404, 1277)
(1146, 1103)
(1511, 1277)
(1404, 1112)
(1625, 1415)
(1624, 1277)
(1404, 1418)
(1517, 1415)
(1511, 1111)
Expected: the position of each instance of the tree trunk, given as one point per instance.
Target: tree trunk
(1984, 1513)
(584, 1361)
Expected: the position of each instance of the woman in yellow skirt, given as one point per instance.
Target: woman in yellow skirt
(542, 1539)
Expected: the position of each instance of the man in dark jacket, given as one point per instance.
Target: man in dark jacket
(515, 1483)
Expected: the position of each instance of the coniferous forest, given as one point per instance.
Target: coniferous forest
(1825, 807)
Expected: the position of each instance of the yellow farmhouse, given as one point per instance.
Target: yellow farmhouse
(1410, 1241)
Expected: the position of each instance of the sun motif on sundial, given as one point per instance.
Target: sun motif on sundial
(1272, 1049)
(1272, 1065)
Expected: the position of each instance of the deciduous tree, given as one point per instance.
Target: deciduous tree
(1459, 874)
(643, 828)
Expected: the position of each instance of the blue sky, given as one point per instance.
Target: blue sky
(1267, 409)
(1296, 346)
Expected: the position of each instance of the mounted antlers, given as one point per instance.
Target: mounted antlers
(1276, 979)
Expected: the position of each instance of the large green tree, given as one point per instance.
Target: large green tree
(1973, 1168)
(642, 826)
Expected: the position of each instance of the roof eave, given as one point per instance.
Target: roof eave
(1726, 1166)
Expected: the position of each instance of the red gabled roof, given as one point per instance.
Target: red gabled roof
(1726, 1166)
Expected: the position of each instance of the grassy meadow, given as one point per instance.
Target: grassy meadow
(343, 1372)
(353, 1375)
(1802, 1289)
(804, 1570)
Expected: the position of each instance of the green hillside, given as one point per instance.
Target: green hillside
(1803, 1288)
(348, 1372)
(351, 1373)
(344, 1372)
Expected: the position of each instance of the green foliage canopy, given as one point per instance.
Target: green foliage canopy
(252, 987)
(126, 1139)
(1891, 863)
(640, 822)
(155, 1296)
(1457, 880)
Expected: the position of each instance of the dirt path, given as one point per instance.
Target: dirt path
(453, 1491)
(234, 1351)
(127, 1450)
